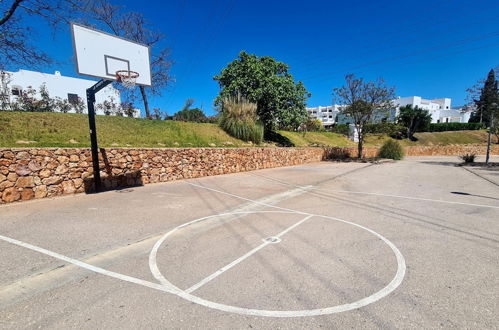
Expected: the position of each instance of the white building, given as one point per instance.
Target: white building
(440, 110)
(327, 115)
(434, 107)
(66, 88)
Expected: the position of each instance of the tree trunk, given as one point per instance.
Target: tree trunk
(410, 129)
(360, 143)
(146, 104)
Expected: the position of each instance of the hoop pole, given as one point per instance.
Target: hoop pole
(93, 130)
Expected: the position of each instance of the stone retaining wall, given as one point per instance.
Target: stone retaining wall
(31, 173)
(37, 173)
(447, 150)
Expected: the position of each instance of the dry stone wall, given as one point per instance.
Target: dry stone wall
(32, 173)
(37, 173)
(447, 150)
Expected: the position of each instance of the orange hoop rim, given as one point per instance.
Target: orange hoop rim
(126, 74)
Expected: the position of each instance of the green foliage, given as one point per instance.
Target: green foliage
(488, 102)
(414, 120)
(48, 129)
(264, 81)
(312, 139)
(442, 127)
(194, 115)
(468, 158)
(364, 100)
(390, 129)
(336, 153)
(238, 119)
(312, 125)
(340, 129)
(391, 149)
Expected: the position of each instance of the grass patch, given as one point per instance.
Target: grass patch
(45, 129)
(301, 139)
(22, 129)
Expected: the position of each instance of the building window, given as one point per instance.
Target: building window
(73, 98)
(17, 91)
(446, 107)
(446, 120)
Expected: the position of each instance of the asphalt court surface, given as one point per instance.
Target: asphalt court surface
(410, 244)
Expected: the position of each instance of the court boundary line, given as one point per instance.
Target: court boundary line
(167, 287)
(277, 181)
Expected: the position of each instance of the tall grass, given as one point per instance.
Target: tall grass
(239, 119)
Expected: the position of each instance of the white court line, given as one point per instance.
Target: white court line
(250, 200)
(281, 234)
(85, 265)
(307, 188)
(394, 283)
(238, 260)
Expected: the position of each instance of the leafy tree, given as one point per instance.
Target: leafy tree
(363, 101)
(195, 115)
(312, 125)
(188, 114)
(266, 82)
(413, 119)
(158, 114)
(27, 101)
(128, 109)
(45, 104)
(62, 105)
(483, 94)
(109, 107)
(79, 105)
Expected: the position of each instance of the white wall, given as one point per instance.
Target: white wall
(61, 86)
(326, 114)
(432, 106)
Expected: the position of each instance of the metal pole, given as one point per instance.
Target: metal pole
(488, 147)
(93, 130)
(489, 137)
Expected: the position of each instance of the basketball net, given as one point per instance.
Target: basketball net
(127, 78)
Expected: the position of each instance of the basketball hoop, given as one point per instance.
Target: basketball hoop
(127, 78)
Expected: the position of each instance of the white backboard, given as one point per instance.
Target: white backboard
(100, 54)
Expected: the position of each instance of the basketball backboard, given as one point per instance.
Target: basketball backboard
(100, 54)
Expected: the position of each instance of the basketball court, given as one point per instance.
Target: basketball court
(411, 244)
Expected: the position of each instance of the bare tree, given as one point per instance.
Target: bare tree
(15, 32)
(133, 26)
(363, 101)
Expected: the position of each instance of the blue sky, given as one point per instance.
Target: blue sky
(432, 49)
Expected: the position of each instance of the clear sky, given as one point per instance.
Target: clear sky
(427, 48)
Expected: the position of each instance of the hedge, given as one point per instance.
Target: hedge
(442, 127)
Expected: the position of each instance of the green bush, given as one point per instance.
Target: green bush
(468, 158)
(312, 125)
(340, 129)
(238, 119)
(442, 127)
(336, 153)
(390, 129)
(391, 150)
